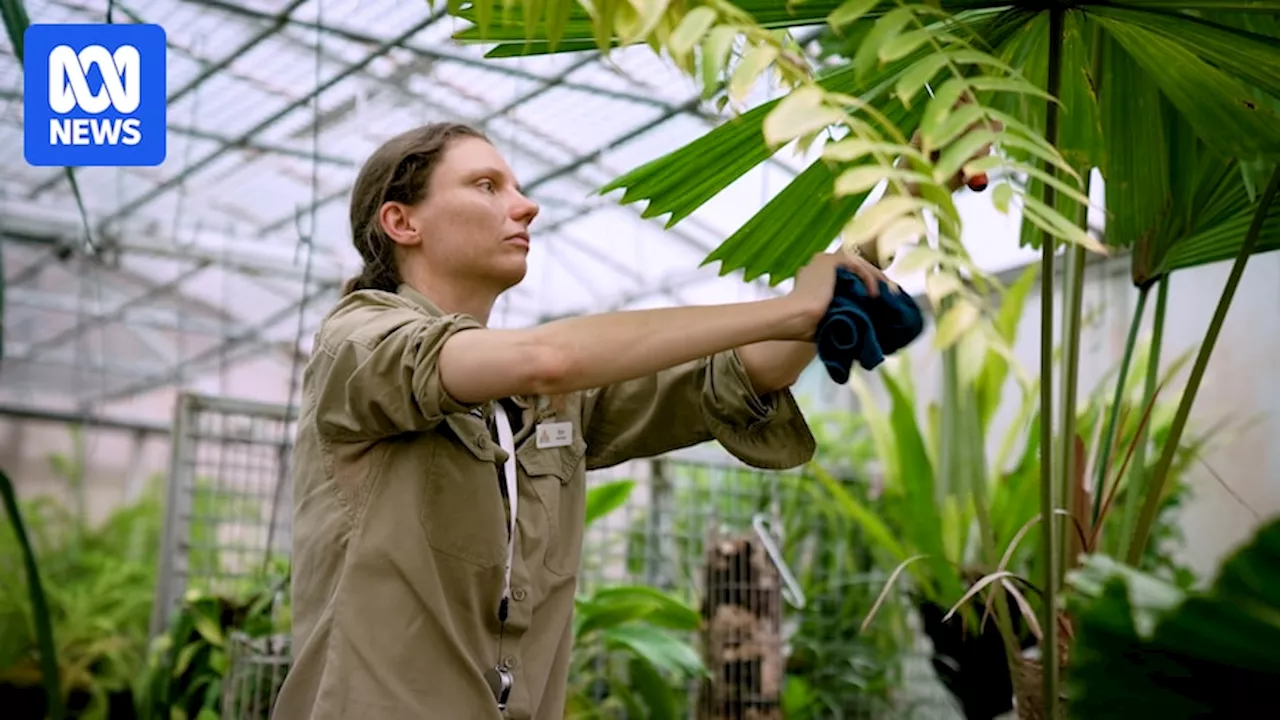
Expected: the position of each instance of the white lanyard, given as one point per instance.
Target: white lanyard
(507, 441)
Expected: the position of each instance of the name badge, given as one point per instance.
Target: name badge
(553, 435)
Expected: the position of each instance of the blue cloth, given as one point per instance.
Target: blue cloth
(862, 329)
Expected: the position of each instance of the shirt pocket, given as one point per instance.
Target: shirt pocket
(463, 513)
(557, 477)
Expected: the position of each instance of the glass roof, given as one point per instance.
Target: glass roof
(202, 262)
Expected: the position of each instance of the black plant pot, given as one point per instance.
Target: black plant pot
(28, 702)
(972, 665)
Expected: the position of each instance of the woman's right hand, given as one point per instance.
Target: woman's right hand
(816, 281)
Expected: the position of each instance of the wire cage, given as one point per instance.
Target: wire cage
(256, 671)
(782, 584)
(742, 639)
(226, 529)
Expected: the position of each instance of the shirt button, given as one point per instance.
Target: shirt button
(482, 440)
(518, 594)
(511, 661)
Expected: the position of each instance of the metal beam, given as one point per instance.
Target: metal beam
(249, 145)
(47, 226)
(18, 412)
(204, 74)
(69, 304)
(250, 338)
(159, 189)
(435, 55)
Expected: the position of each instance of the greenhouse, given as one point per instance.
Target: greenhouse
(276, 422)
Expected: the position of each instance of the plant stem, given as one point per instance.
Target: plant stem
(40, 617)
(1117, 401)
(1138, 470)
(1160, 476)
(1049, 622)
(1074, 278)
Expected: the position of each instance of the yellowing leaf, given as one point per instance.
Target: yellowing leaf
(955, 322)
(849, 12)
(853, 148)
(869, 224)
(1001, 195)
(863, 178)
(905, 229)
(917, 258)
(938, 286)
(691, 30)
(801, 111)
(903, 44)
(715, 50)
(748, 70)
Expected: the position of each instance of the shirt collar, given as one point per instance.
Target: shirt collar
(417, 298)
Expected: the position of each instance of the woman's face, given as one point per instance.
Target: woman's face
(474, 222)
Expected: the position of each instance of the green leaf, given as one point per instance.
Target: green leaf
(624, 604)
(41, 617)
(1248, 56)
(755, 61)
(1217, 105)
(1208, 653)
(652, 689)
(607, 497)
(890, 24)
(663, 652)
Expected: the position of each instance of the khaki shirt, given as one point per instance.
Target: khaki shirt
(400, 527)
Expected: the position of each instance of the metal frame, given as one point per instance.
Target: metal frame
(40, 238)
(173, 570)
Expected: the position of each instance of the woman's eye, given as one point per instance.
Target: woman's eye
(487, 185)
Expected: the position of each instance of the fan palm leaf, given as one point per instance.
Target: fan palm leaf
(1186, 87)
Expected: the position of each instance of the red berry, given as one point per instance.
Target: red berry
(978, 182)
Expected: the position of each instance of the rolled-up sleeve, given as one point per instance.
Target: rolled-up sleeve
(708, 399)
(376, 372)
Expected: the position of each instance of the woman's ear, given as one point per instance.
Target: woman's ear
(398, 223)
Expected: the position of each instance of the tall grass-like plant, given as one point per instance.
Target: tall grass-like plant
(50, 677)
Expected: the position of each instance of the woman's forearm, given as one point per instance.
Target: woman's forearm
(590, 351)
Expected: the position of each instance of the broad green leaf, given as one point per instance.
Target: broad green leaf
(1205, 653)
(939, 286)
(605, 498)
(1249, 56)
(802, 219)
(1216, 104)
(665, 653)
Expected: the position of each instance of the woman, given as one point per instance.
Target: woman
(413, 595)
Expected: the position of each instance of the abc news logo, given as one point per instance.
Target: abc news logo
(95, 95)
(69, 89)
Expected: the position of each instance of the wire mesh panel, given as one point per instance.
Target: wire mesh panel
(227, 518)
(686, 518)
(741, 632)
(256, 672)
